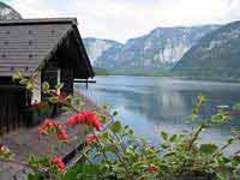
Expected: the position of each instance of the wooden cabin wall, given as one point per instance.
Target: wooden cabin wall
(67, 79)
(12, 100)
(49, 74)
(66, 58)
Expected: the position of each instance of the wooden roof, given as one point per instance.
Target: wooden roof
(26, 44)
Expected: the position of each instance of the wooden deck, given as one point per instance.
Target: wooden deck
(24, 142)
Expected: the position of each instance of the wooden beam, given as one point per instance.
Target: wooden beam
(84, 81)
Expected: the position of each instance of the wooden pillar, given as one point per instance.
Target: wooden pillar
(58, 78)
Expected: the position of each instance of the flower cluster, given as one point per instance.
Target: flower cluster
(152, 169)
(5, 153)
(3, 148)
(58, 163)
(88, 118)
(61, 96)
(50, 125)
(62, 135)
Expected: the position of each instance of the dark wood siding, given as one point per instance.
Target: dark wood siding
(49, 73)
(13, 101)
(67, 79)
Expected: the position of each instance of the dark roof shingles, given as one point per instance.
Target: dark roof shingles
(26, 43)
(18, 51)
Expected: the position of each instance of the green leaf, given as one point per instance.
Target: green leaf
(201, 99)
(17, 75)
(231, 141)
(116, 127)
(208, 149)
(130, 132)
(110, 148)
(236, 160)
(164, 135)
(105, 135)
(170, 153)
(164, 146)
(173, 138)
(53, 100)
(236, 107)
(45, 86)
(115, 113)
(82, 171)
(220, 117)
(78, 102)
(59, 86)
(23, 81)
(29, 86)
(35, 176)
(65, 109)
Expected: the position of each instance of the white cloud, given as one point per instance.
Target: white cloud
(123, 19)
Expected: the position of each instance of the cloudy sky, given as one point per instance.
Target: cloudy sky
(123, 19)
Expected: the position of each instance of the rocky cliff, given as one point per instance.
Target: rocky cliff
(162, 48)
(215, 56)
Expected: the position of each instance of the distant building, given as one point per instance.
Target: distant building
(51, 46)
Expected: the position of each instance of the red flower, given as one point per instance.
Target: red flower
(41, 131)
(5, 152)
(50, 125)
(47, 125)
(62, 135)
(3, 148)
(91, 138)
(75, 119)
(58, 163)
(88, 118)
(92, 120)
(60, 96)
(152, 169)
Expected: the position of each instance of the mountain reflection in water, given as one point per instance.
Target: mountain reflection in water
(152, 104)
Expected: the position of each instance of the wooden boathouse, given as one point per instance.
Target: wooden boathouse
(51, 46)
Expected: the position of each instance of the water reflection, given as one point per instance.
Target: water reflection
(152, 104)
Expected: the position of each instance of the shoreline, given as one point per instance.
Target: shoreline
(175, 77)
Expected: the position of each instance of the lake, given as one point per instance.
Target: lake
(152, 104)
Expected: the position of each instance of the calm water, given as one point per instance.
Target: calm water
(152, 104)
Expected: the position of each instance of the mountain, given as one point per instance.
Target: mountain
(96, 48)
(8, 13)
(161, 49)
(215, 56)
